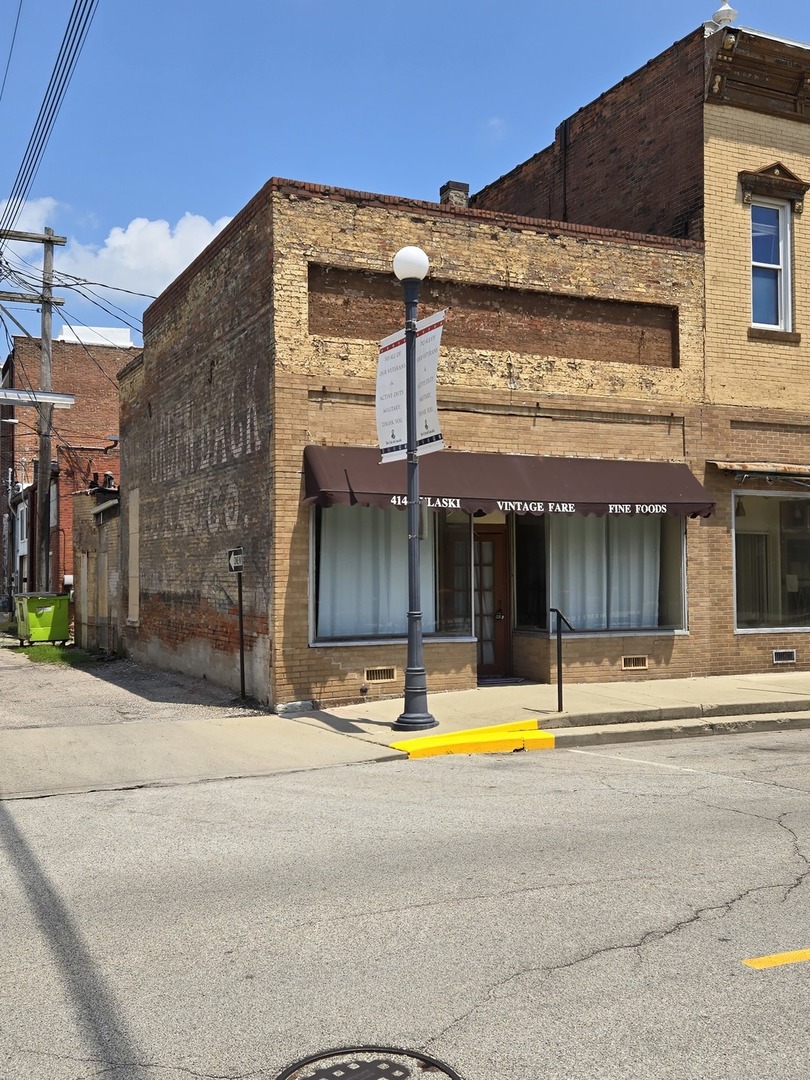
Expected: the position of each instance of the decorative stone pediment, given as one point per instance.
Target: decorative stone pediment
(774, 182)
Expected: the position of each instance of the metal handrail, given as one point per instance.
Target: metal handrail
(560, 618)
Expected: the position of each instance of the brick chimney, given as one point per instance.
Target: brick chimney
(454, 193)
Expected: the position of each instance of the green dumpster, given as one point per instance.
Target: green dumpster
(42, 616)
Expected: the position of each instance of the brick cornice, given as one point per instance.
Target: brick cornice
(300, 189)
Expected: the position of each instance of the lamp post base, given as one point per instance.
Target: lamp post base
(414, 722)
(415, 715)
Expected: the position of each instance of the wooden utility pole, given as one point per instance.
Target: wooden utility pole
(46, 301)
(45, 421)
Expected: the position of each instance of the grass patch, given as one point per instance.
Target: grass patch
(45, 653)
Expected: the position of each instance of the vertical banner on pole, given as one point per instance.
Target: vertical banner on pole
(391, 404)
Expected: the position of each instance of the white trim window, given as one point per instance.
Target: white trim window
(770, 264)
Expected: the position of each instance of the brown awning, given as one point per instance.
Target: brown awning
(512, 483)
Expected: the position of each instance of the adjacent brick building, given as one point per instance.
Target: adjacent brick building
(84, 443)
(711, 140)
(604, 381)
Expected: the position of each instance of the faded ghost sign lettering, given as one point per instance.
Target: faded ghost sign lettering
(193, 437)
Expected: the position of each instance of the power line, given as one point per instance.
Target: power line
(79, 22)
(11, 49)
(69, 281)
(80, 287)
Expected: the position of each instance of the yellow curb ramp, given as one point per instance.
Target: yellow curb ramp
(499, 738)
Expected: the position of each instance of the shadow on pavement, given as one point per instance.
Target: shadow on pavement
(97, 1015)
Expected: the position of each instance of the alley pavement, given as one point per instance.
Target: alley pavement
(119, 724)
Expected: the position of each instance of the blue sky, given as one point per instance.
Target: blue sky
(180, 110)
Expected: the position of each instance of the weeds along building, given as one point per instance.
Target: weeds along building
(619, 389)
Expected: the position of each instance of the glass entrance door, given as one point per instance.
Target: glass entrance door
(492, 620)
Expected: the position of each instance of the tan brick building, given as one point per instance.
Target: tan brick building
(600, 356)
(711, 140)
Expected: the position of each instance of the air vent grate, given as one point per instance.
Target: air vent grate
(634, 663)
(784, 656)
(380, 674)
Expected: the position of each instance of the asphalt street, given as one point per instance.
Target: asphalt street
(579, 914)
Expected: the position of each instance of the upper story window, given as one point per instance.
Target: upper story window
(776, 197)
(770, 264)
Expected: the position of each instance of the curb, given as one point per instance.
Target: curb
(528, 735)
(655, 714)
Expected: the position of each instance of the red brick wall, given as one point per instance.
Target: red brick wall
(632, 159)
(79, 441)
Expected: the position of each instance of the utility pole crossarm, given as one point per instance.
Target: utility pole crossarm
(28, 298)
(32, 238)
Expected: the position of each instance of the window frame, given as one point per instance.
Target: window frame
(739, 493)
(783, 268)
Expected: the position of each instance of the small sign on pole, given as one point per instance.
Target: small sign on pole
(235, 560)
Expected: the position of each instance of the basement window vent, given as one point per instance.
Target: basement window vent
(634, 663)
(784, 656)
(380, 674)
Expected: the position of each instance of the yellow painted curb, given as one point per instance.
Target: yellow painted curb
(500, 738)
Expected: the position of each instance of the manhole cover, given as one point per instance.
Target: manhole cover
(368, 1063)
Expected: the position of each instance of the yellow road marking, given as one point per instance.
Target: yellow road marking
(776, 959)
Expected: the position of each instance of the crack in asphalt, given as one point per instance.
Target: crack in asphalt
(660, 934)
(650, 937)
(469, 897)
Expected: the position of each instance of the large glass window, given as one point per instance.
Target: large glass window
(605, 573)
(361, 573)
(770, 264)
(772, 561)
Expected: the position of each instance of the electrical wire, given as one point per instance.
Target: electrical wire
(81, 17)
(11, 48)
(29, 281)
(69, 281)
(78, 24)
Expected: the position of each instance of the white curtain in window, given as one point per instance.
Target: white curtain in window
(578, 570)
(363, 573)
(634, 554)
(605, 571)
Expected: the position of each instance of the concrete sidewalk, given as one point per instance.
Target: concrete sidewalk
(593, 712)
(122, 725)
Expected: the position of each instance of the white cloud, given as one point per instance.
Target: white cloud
(35, 214)
(144, 256)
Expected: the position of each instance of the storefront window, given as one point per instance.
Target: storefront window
(361, 573)
(772, 561)
(606, 573)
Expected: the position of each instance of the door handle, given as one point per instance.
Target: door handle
(499, 615)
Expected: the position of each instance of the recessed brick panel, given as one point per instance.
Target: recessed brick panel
(365, 305)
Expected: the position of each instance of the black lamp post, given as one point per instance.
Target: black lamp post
(411, 266)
